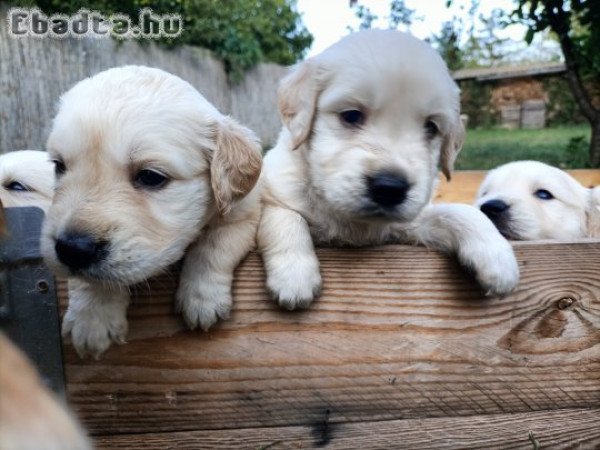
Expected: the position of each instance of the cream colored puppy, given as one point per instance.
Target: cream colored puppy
(532, 200)
(27, 178)
(31, 417)
(147, 170)
(366, 124)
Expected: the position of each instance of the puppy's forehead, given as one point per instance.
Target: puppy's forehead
(385, 66)
(30, 165)
(129, 108)
(529, 176)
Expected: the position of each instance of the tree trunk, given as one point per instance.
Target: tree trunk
(560, 24)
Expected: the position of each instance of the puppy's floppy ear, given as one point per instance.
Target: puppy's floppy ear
(236, 163)
(593, 213)
(298, 94)
(452, 143)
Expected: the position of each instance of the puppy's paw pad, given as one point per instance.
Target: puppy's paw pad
(295, 285)
(93, 335)
(500, 275)
(296, 298)
(202, 308)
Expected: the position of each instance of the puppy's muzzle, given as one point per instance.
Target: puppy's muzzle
(387, 190)
(494, 209)
(79, 251)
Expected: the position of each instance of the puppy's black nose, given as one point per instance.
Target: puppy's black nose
(387, 189)
(79, 251)
(493, 208)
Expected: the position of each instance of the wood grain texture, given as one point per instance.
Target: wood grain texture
(399, 333)
(465, 183)
(562, 429)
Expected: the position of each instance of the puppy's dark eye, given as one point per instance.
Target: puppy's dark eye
(59, 167)
(353, 118)
(431, 129)
(543, 194)
(151, 179)
(16, 186)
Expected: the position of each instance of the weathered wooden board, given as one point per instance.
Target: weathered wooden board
(575, 429)
(399, 333)
(465, 183)
(29, 98)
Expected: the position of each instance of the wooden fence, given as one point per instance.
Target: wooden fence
(35, 72)
(401, 351)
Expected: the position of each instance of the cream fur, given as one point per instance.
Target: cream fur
(571, 214)
(314, 178)
(31, 416)
(108, 128)
(33, 170)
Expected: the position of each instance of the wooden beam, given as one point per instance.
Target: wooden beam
(399, 333)
(573, 428)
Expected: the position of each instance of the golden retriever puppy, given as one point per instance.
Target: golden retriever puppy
(147, 170)
(31, 417)
(531, 200)
(27, 178)
(366, 124)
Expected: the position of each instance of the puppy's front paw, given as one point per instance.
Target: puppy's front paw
(203, 303)
(93, 331)
(294, 282)
(496, 268)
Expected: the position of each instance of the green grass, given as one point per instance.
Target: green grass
(564, 147)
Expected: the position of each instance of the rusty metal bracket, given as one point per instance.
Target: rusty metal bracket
(28, 300)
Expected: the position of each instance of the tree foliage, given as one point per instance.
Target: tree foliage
(241, 32)
(472, 40)
(448, 44)
(576, 23)
(399, 14)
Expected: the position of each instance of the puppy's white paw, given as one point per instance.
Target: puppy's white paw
(495, 267)
(294, 282)
(92, 331)
(203, 303)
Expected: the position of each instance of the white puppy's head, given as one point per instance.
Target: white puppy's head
(529, 200)
(143, 162)
(27, 178)
(376, 114)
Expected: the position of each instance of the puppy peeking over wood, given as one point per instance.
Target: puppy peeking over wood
(366, 125)
(26, 178)
(530, 200)
(147, 170)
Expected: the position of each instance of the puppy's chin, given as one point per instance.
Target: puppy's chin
(508, 233)
(107, 272)
(377, 214)
(130, 269)
(507, 229)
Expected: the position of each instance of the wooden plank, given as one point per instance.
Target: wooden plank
(549, 429)
(465, 183)
(399, 333)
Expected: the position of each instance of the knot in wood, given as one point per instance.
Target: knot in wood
(565, 303)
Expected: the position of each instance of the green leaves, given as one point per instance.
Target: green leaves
(240, 32)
